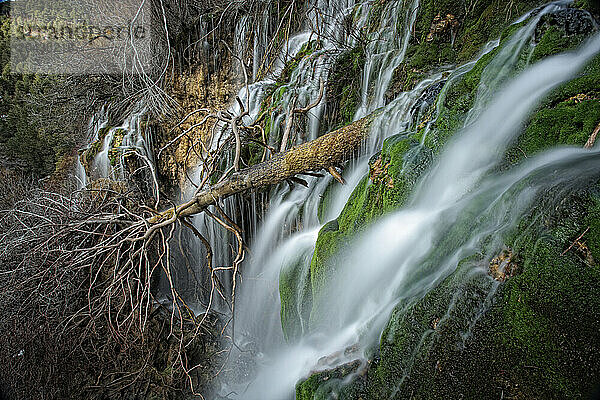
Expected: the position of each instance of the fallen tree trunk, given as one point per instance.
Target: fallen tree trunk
(322, 153)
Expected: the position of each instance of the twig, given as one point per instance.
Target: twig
(576, 240)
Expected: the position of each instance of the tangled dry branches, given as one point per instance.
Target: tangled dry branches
(77, 276)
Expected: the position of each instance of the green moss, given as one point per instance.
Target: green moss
(478, 23)
(554, 41)
(415, 330)
(459, 98)
(587, 82)
(375, 14)
(403, 80)
(295, 295)
(426, 56)
(462, 94)
(567, 123)
(455, 342)
(252, 153)
(574, 118)
(369, 201)
(523, 344)
(549, 298)
(328, 248)
(492, 21)
(332, 384)
(568, 116)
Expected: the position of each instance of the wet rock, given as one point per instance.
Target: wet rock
(571, 21)
(346, 381)
(431, 93)
(423, 109)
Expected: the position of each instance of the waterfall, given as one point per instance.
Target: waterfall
(404, 239)
(400, 257)
(110, 146)
(80, 175)
(384, 54)
(504, 63)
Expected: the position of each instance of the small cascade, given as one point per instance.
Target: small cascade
(240, 42)
(301, 89)
(257, 319)
(259, 294)
(504, 63)
(260, 43)
(112, 148)
(385, 52)
(80, 175)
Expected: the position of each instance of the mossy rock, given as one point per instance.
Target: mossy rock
(575, 101)
(472, 336)
(477, 23)
(399, 166)
(296, 301)
(568, 116)
(344, 382)
(458, 342)
(386, 188)
(460, 96)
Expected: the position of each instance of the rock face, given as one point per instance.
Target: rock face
(524, 324)
(570, 22)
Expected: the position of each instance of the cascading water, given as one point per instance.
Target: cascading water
(258, 324)
(504, 63)
(402, 249)
(115, 144)
(384, 52)
(404, 254)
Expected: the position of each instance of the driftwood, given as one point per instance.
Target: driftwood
(323, 153)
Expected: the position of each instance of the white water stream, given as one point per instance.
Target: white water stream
(133, 136)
